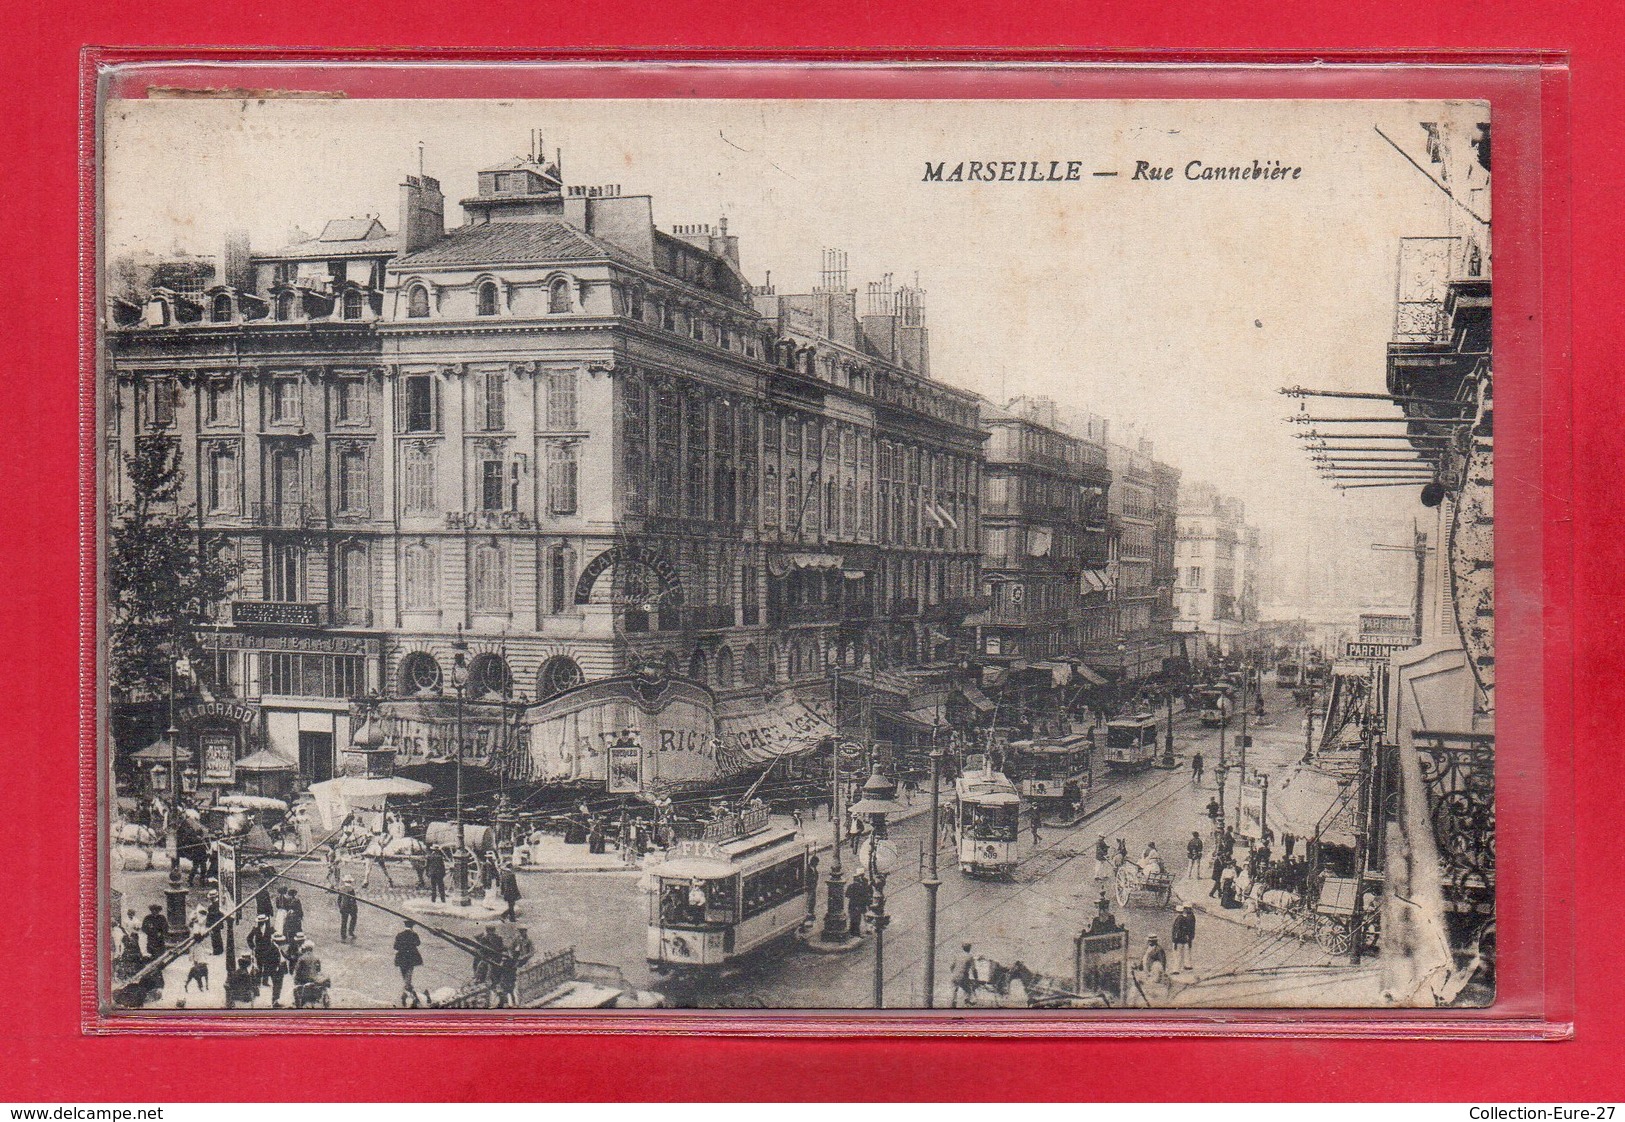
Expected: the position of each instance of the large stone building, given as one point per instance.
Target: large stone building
(550, 446)
(1044, 502)
(1216, 559)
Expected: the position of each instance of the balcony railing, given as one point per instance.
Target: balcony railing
(286, 516)
(779, 615)
(957, 607)
(352, 617)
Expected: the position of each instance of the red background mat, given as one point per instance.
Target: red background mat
(43, 1054)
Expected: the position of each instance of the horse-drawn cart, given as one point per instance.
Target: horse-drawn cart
(1138, 887)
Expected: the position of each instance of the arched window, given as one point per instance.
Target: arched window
(488, 674)
(284, 306)
(557, 675)
(725, 669)
(420, 673)
(751, 665)
(417, 302)
(220, 312)
(350, 307)
(420, 578)
(488, 298)
(795, 660)
(558, 297)
(697, 670)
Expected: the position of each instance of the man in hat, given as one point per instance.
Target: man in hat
(1154, 963)
(1184, 937)
(349, 909)
(962, 972)
(1104, 922)
(217, 935)
(273, 967)
(156, 928)
(435, 865)
(408, 957)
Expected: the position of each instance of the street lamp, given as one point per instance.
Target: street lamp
(835, 914)
(933, 882)
(879, 800)
(175, 893)
(459, 682)
(1168, 687)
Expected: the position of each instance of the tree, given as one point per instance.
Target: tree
(163, 575)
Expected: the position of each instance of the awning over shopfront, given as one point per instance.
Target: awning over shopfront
(266, 760)
(976, 698)
(760, 729)
(1060, 672)
(1087, 673)
(782, 563)
(1310, 803)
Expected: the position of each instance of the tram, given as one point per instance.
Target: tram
(987, 808)
(1056, 772)
(1215, 706)
(716, 899)
(1131, 743)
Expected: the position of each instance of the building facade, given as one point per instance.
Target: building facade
(549, 446)
(1215, 559)
(1044, 542)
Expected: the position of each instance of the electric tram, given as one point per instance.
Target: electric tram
(718, 898)
(1215, 705)
(987, 808)
(1131, 743)
(1056, 772)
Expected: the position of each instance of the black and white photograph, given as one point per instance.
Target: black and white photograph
(811, 555)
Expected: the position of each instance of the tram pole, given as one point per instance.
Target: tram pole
(932, 882)
(1241, 744)
(835, 913)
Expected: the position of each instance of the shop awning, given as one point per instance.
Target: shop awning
(761, 729)
(1311, 803)
(784, 562)
(1087, 673)
(266, 760)
(1060, 672)
(976, 698)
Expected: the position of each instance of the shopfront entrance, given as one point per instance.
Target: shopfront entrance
(316, 756)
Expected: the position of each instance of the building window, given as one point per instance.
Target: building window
(491, 484)
(355, 590)
(419, 392)
(351, 404)
(420, 673)
(725, 669)
(287, 483)
(561, 479)
(220, 311)
(635, 430)
(284, 306)
(421, 580)
(558, 579)
(561, 401)
(350, 304)
(849, 509)
(353, 481)
(487, 305)
(292, 674)
(493, 415)
(770, 496)
(488, 674)
(490, 578)
(420, 481)
(223, 479)
(417, 302)
(557, 675)
(220, 401)
(668, 452)
(161, 402)
(285, 400)
(558, 297)
(284, 572)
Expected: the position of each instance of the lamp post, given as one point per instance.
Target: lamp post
(879, 800)
(932, 882)
(175, 892)
(1242, 739)
(459, 682)
(1168, 687)
(835, 914)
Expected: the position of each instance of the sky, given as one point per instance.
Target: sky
(1175, 306)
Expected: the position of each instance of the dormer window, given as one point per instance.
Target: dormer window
(487, 300)
(220, 310)
(284, 306)
(558, 297)
(350, 305)
(417, 302)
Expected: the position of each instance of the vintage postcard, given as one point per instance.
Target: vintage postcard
(795, 555)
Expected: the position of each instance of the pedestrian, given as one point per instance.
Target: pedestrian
(1036, 815)
(198, 952)
(1213, 812)
(1184, 936)
(795, 817)
(408, 957)
(1104, 922)
(435, 865)
(1197, 763)
(1193, 856)
(349, 909)
(242, 982)
(1154, 963)
(858, 897)
(508, 888)
(334, 870)
(1228, 897)
(293, 925)
(963, 973)
(1103, 858)
(266, 947)
(1120, 854)
(156, 929)
(812, 885)
(1219, 864)
(217, 934)
(492, 950)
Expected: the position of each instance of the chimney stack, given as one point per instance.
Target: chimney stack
(423, 212)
